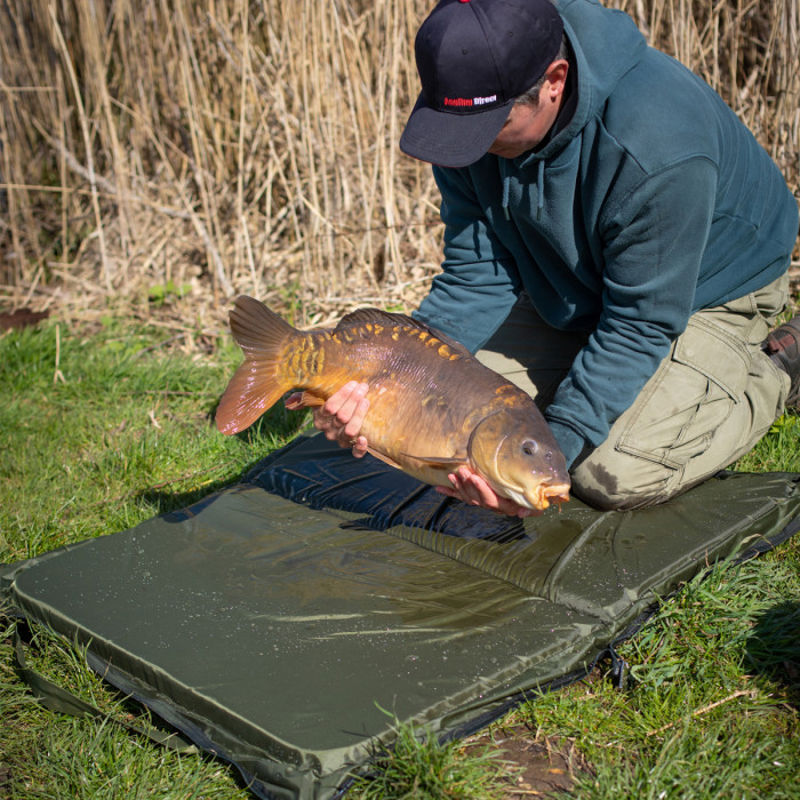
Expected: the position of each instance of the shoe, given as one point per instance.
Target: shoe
(783, 346)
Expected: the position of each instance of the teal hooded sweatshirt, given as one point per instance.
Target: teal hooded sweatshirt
(651, 202)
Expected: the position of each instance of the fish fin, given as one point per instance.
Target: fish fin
(256, 385)
(375, 316)
(439, 462)
(305, 400)
(436, 462)
(256, 329)
(363, 315)
(386, 460)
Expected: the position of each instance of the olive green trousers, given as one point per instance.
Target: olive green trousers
(711, 399)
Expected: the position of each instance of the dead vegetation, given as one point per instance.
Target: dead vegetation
(153, 151)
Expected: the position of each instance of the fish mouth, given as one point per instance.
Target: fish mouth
(553, 493)
(541, 496)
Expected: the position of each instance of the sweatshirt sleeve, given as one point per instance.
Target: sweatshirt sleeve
(479, 281)
(653, 244)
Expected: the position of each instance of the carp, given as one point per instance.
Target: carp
(432, 405)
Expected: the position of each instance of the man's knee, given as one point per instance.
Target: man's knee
(617, 481)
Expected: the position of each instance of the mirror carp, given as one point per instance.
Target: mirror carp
(432, 405)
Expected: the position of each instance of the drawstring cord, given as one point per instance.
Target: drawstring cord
(540, 182)
(540, 188)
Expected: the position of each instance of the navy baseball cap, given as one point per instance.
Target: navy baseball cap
(474, 57)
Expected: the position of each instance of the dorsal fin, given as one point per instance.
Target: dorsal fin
(375, 316)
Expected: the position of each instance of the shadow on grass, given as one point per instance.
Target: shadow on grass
(773, 649)
(262, 440)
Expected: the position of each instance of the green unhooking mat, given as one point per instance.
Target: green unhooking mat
(275, 623)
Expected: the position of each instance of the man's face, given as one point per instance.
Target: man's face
(527, 125)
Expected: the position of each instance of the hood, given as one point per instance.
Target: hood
(606, 44)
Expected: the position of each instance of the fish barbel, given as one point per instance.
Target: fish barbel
(432, 405)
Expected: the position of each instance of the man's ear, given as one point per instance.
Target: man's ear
(556, 79)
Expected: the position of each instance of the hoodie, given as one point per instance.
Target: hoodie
(651, 202)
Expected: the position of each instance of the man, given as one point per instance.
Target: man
(616, 243)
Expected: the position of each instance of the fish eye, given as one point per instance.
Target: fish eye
(529, 447)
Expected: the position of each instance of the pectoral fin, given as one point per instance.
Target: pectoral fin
(383, 457)
(439, 462)
(304, 400)
(433, 462)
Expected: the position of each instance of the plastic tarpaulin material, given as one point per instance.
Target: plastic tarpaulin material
(275, 621)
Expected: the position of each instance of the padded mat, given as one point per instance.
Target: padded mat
(277, 621)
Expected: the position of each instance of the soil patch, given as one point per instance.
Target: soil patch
(539, 767)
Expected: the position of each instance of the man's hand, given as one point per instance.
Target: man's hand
(473, 490)
(342, 415)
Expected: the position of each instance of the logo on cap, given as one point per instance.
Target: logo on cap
(468, 102)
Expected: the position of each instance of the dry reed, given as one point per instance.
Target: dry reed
(238, 145)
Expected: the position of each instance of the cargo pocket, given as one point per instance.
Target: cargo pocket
(692, 393)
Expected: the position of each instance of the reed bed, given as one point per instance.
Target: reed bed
(159, 149)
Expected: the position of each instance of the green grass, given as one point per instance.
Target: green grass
(99, 432)
(110, 431)
(419, 767)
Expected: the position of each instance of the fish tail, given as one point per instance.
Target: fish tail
(258, 383)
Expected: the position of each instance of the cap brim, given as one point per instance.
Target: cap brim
(451, 139)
